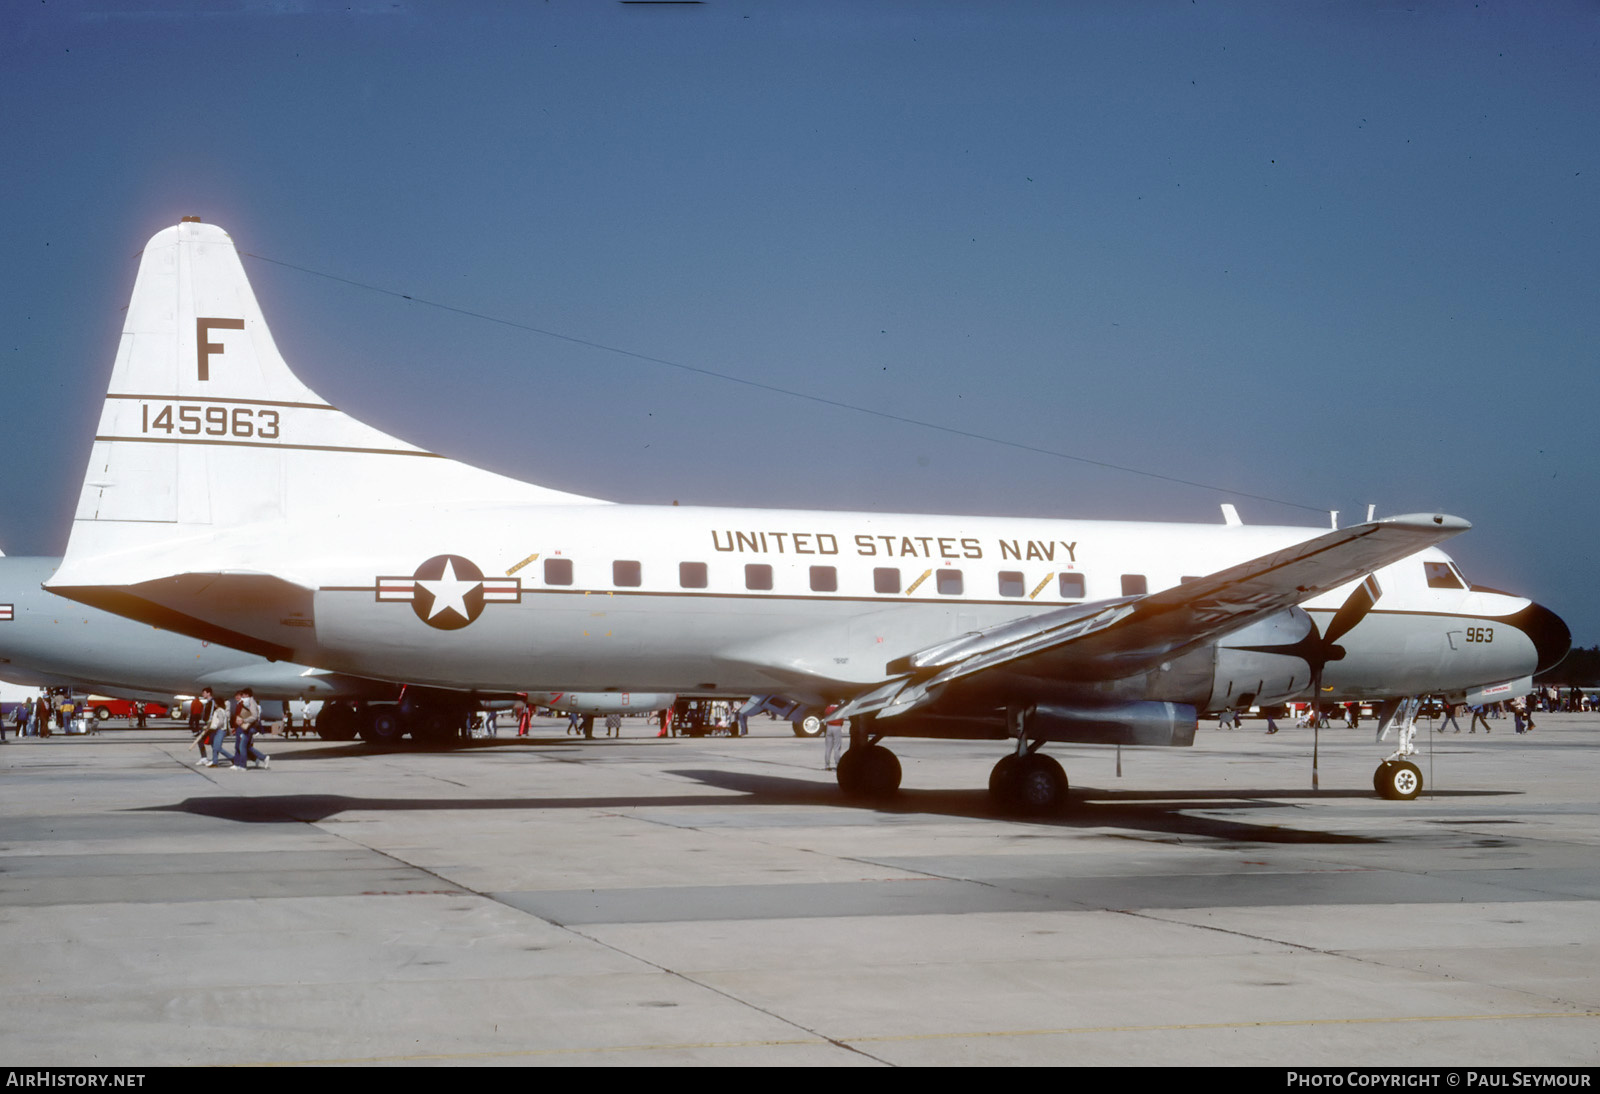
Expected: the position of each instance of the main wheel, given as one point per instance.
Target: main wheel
(871, 772)
(1397, 780)
(1003, 779)
(336, 722)
(383, 726)
(809, 726)
(434, 728)
(1039, 785)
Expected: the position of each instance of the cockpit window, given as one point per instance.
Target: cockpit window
(1441, 576)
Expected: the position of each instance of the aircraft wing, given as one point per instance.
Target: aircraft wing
(1110, 639)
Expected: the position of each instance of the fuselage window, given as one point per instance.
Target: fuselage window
(625, 575)
(558, 571)
(824, 579)
(886, 579)
(1134, 585)
(692, 575)
(1441, 576)
(758, 575)
(1072, 586)
(1011, 583)
(949, 582)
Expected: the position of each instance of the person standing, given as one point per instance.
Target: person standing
(1449, 717)
(216, 728)
(247, 716)
(833, 743)
(197, 725)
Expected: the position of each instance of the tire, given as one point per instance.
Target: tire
(102, 714)
(809, 726)
(383, 726)
(1003, 779)
(1039, 786)
(1397, 780)
(871, 772)
(336, 722)
(433, 728)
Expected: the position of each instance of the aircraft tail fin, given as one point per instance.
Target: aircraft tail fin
(205, 428)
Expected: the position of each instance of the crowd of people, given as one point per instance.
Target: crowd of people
(40, 715)
(212, 722)
(1520, 710)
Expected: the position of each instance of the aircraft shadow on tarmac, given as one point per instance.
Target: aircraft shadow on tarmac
(1157, 814)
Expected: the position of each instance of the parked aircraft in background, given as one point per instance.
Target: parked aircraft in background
(226, 499)
(434, 716)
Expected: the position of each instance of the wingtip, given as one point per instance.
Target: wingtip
(1429, 521)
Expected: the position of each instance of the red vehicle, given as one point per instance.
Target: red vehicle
(103, 708)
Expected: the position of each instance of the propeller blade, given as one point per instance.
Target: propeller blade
(1353, 610)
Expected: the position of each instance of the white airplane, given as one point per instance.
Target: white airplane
(226, 499)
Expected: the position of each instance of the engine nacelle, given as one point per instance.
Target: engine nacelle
(1131, 723)
(1263, 664)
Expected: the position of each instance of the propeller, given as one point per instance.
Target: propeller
(1324, 648)
(1317, 649)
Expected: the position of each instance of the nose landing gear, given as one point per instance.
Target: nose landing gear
(1397, 778)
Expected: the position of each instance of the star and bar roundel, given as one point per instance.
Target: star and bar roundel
(449, 591)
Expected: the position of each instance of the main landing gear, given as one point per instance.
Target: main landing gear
(427, 720)
(1028, 781)
(869, 771)
(1397, 778)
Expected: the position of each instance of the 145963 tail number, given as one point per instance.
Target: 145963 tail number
(196, 419)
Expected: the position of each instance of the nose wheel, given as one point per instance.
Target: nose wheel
(1397, 780)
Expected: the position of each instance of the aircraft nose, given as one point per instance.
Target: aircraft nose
(1547, 632)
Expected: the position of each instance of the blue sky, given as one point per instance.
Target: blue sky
(1331, 254)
